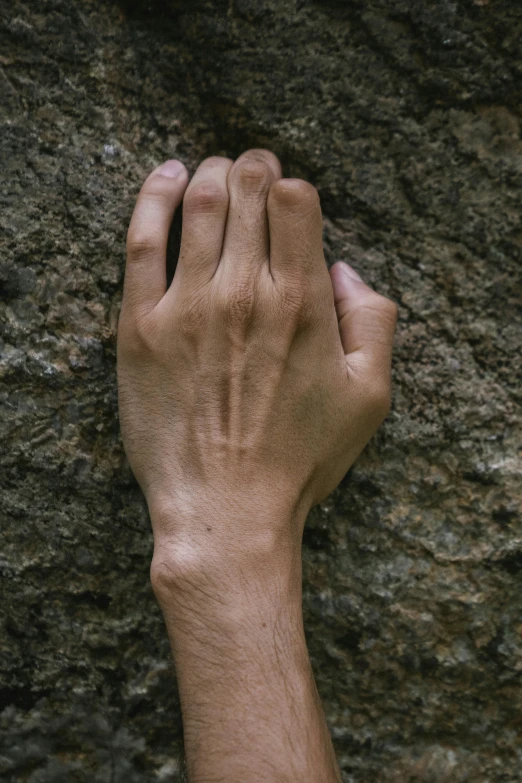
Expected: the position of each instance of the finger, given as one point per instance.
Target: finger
(366, 320)
(205, 209)
(246, 243)
(296, 229)
(145, 272)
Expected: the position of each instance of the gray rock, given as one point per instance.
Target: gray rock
(406, 116)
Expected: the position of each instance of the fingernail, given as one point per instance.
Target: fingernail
(171, 168)
(347, 269)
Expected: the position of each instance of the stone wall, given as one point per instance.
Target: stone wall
(406, 116)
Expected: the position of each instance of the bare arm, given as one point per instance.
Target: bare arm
(247, 389)
(250, 706)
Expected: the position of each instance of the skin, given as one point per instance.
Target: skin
(247, 390)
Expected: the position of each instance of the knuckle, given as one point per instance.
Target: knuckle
(205, 198)
(259, 153)
(295, 302)
(157, 193)
(293, 299)
(192, 315)
(252, 174)
(237, 303)
(292, 193)
(142, 243)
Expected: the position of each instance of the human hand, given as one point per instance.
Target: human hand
(249, 387)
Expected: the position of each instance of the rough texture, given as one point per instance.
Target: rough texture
(406, 115)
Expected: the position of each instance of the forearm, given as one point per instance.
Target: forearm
(250, 707)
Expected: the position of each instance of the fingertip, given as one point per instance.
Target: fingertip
(344, 271)
(171, 169)
(345, 281)
(168, 181)
(350, 271)
(292, 195)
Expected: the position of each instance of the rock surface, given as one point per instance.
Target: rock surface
(407, 117)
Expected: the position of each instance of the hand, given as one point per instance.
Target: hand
(247, 389)
(256, 379)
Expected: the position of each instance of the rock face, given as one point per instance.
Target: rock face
(406, 116)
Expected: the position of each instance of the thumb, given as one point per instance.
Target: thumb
(366, 321)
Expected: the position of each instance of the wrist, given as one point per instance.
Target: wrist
(225, 584)
(198, 532)
(226, 569)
